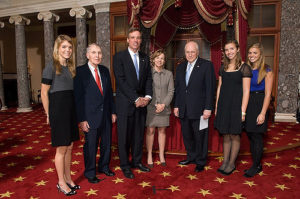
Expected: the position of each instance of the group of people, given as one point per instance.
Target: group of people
(144, 91)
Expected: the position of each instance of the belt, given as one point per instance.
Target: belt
(257, 91)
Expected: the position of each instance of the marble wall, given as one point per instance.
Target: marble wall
(289, 60)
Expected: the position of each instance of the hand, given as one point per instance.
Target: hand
(159, 107)
(139, 102)
(260, 119)
(145, 101)
(206, 114)
(113, 118)
(176, 112)
(84, 126)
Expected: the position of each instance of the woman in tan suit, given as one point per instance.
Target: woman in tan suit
(158, 111)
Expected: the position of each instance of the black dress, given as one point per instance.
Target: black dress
(229, 113)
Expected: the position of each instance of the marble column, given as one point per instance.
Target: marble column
(103, 31)
(289, 62)
(48, 18)
(81, 34)
(21, 60)
(4, 107)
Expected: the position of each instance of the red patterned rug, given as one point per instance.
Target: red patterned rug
(27, 169)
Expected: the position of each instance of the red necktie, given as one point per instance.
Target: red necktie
(98, 81)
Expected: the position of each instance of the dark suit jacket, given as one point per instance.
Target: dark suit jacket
(129, 88)
(198, 95)
(91, 106)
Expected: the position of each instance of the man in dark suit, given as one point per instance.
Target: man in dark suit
(194, 95)
(95, 112)
(133, 92)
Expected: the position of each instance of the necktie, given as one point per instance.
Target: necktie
(136, 66)
(98, 81)
(188, 73)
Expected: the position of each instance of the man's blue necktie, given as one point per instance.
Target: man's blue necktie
(188, 73)
(136, 65)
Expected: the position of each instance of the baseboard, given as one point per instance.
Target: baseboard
(285, 117)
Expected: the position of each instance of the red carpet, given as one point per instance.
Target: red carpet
(27, 168)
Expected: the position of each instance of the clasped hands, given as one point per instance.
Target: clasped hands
(142, 102)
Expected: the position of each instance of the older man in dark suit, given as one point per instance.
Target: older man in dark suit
(194, 96)
(133, 92)
(95, 112)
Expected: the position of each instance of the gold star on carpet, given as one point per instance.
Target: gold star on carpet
(262, 173)
(29, 135)
(41, 136)
(19, 179)
(116, 157)
(138, 171)
(265, 148)
(49, 170)
(44, 150)
(157, 162)
(20, 155)
(7, 194)
(298, 134)
(220, 180)
(281, 186)
(297, 158)
(270, 197)
(296, 139)
(244, 162)
(294, 166)
(75, 162)
(145, 184)
(80, 146)
(165, 174)
(237, 196)
(12, 164)
(49, 143)
(288, 175)
(15, 146)
(220, 158)
(174, 188)
(207, 168)
(41, 183)
(281, 134)
(268, 164)
(118, 180)
(250, 183)
(285, 130)
(117, 168)
(204, 192)
(191, 177)
(37, 158)
(31, 197)
(270, 143)
(120, 196)
(78, 153)
(290, 144)
(275, 138)
(35, 141)
(181, 166)
(98, 155)
(277, 157)
(1, 175)
(73, 173)
(29, 167)
(29, 148)
(6, 153)
(113, 148)
(91, 192)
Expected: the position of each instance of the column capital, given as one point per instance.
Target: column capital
(1, 24)
(80, 12)
(18, 19)
(48, 16)
(102, 7)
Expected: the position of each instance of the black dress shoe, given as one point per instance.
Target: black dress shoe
(141, 167)
(249, 173)
(94, 180)
(108, 173)
(127, 173)
(199, 168)
(186, 162)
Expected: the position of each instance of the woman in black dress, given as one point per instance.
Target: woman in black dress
(260, 96)
(58, 103)
(231, 103)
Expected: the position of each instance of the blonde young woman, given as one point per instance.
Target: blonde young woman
(58, 103)
(158, 111)
(231, 103)
(257, 114)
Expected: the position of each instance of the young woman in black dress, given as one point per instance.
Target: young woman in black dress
(260, 96)
(231, 103)
(58, 103)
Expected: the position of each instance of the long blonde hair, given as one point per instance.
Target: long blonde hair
(262, 67)
(238, 61)
(70, 62)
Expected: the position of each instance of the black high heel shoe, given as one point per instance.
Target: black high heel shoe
(75, 187)
(228, 173)
(70, 193)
